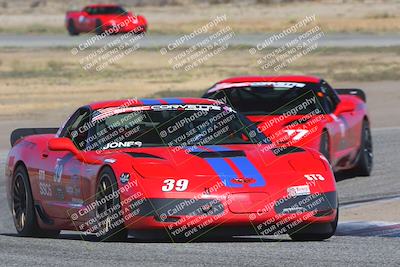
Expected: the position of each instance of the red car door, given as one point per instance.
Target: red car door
(63, 172)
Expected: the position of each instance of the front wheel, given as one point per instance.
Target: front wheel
(108, 213)
(23, 212)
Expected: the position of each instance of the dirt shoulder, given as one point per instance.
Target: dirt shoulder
(386, 210)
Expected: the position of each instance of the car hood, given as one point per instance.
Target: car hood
(227, 161)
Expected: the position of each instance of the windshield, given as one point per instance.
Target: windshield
(105, 10)
(170, 125)
(273, 98)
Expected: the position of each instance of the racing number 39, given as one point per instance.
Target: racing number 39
(179, 185)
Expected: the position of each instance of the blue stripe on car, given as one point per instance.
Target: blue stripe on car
(172, 101)
(150, 101)
(224, 171)
(216, 148)
(249, 170)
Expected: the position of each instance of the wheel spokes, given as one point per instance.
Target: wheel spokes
(19, 202)
(105, 189)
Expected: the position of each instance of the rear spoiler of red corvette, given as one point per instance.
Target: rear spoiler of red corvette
(23, 132)
(352, 91)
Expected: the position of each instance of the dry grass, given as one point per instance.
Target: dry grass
(332, 16)
(43, 84)
(41, 87)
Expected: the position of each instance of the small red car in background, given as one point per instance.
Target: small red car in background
(104, 18)
(305, 111)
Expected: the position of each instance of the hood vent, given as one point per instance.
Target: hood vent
(219, 154)
(280, 151)
(142, 155)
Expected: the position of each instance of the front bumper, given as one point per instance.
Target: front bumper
(134, 28)
(185, 218)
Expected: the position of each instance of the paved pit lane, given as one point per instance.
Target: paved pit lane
(157, 40)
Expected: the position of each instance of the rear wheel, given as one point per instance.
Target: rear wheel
(316, 232)
(23, 212)
(365, 158)
(71, 28)
(108, 213)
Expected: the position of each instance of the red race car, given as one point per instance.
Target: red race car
(305, 111)
(176, 167)
(104, 18)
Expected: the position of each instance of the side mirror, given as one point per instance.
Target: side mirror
(62, 144)
(345, 106)
(65, 144)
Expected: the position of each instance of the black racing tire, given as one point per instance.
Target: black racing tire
(140, 30)
(365, 157)
(324, 147)
(316, 232)
(23, 212)
(109, 216)
(99, 27)
(71, 28)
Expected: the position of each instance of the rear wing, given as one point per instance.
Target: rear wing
(23, 132)
(352, 91)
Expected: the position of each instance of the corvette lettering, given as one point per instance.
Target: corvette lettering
(101, 114)
(186, 107)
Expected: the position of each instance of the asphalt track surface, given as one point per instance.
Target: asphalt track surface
(346, 248)
(157, 40)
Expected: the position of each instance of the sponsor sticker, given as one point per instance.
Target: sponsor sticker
(59, 192)
(42, 175)
(124, 178)
(45, 189)
(58, 171)
(302, 190)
